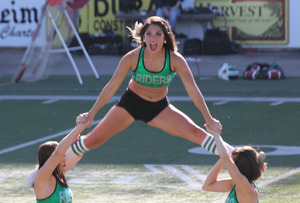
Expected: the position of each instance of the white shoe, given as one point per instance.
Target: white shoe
(31, 177)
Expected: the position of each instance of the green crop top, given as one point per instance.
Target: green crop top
(60, 194)
(153, 79)
(232, 196)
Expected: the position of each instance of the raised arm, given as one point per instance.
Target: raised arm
(72, 162)
(239, 179)
(112, 86)
(213, 184)
(45, 172)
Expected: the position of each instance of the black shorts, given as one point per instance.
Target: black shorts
(139, 108)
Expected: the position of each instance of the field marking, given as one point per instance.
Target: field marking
(274, 101)
(182, 172)
(129, 177)
(123, 180)
(278, 150)
(47, 99)
(273, 180)
(43, 139)
(179, 174)
(32, 142)
(278, 178)
(3, 178)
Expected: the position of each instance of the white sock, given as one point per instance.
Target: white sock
(76, 149)
(210, 145)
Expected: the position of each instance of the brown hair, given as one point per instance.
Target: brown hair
(139, 31)
(249, 162)
(44, 152)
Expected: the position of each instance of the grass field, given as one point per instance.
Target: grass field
(143, 164)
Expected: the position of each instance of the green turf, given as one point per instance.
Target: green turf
(124, 155)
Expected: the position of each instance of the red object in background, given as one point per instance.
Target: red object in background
(74, 4)
(77, 4)
(274, 74)
(255, 67)
(54, 2)
(251, 75)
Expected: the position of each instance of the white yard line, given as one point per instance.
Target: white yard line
(43, 139)
(218, 100)
(278, 178)
(32, 142)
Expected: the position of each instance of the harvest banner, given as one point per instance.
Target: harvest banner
(252, 22)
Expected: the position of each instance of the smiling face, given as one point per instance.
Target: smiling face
(154, 38)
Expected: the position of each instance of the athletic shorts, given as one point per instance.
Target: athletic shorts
(139, 108)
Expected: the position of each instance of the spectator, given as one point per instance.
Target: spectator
(169, 9)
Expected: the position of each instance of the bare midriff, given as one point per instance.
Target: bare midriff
(152, 94)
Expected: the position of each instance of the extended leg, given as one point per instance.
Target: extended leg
(116, 120)
(174, 122)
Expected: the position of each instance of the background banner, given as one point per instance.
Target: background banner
(99, 16)
(18, 21)
(253, 22)
(248, 22)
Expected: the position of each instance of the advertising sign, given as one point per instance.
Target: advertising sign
(252, 22)
(99, 16)
(18, 21)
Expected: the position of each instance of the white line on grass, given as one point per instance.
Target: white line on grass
(273, 180)
(178, 173)
(195, 173)
(26, 144)
(43, 139)
(182, 176)
(278, 178)
(48, 99)
(218, 100)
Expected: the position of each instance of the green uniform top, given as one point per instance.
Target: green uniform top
(60, 195)
(232, 196)
(153, 79)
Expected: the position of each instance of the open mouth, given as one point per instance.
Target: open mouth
(153, 46)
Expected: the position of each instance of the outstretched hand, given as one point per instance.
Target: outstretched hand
(209, 130)
(84, 118)
(214, 125)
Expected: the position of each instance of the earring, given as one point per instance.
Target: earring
(165, 42)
